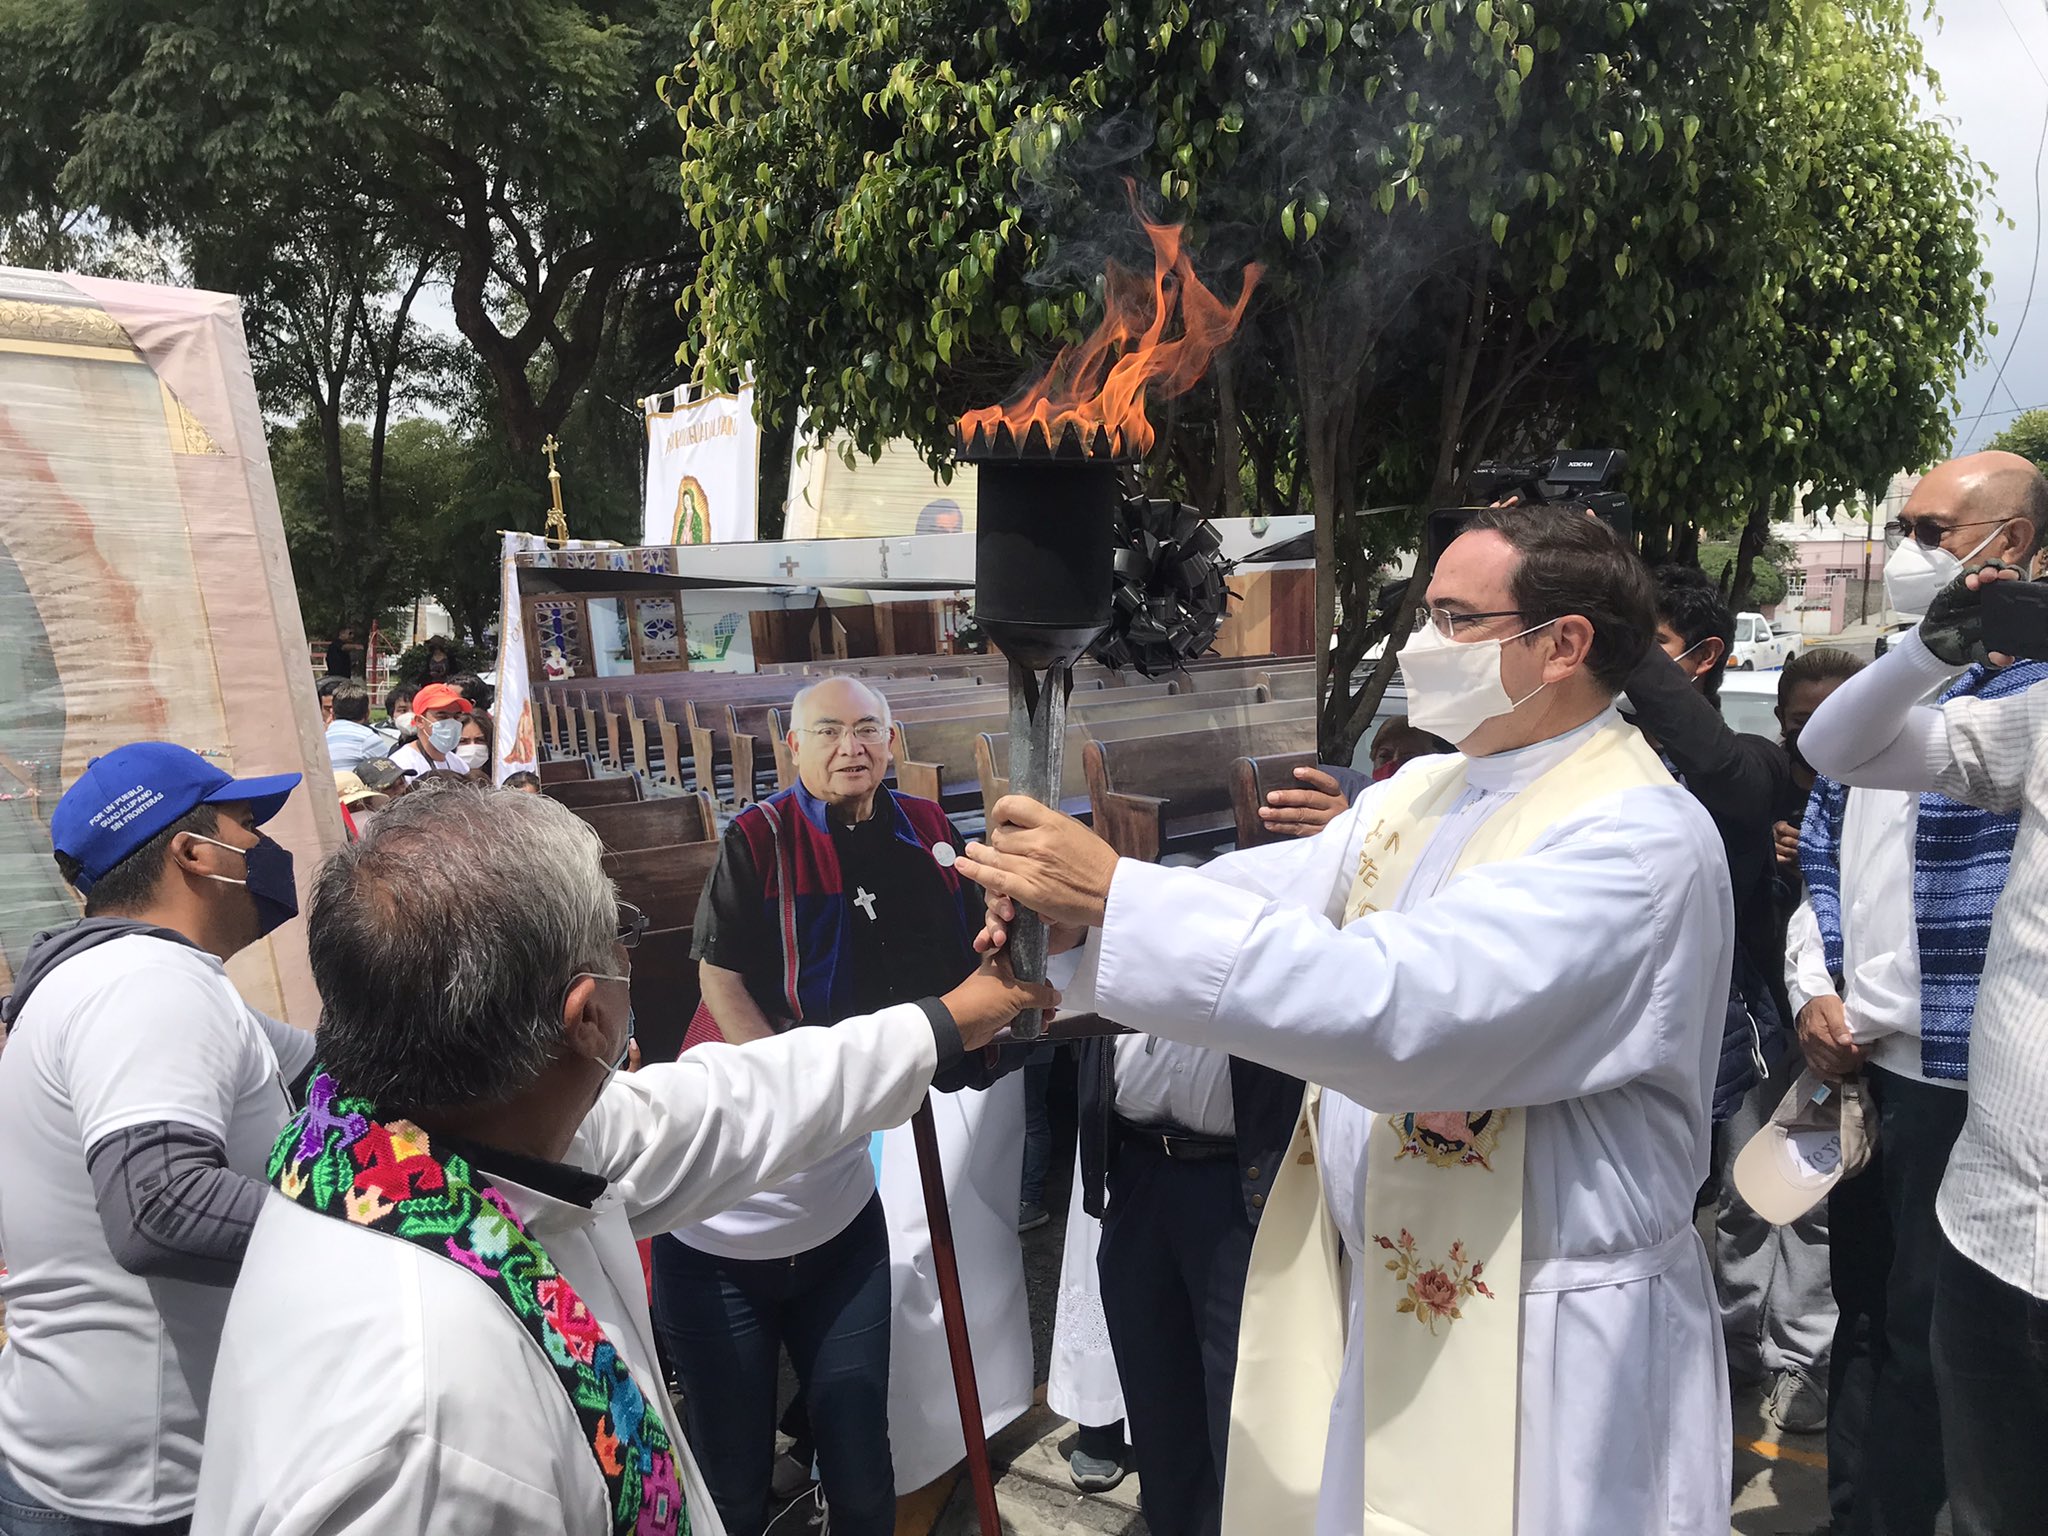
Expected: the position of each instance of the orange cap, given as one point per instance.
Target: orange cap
(440, 696)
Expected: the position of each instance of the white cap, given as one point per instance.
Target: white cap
(1819, 1135)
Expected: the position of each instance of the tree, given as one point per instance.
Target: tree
(516, 147)
(2027, 436)
(329, 563)
(327, 301)
(1482, 224)
(1398, 168)
(1767, 574)
(1860, 251)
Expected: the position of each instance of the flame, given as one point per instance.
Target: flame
(1098, 387)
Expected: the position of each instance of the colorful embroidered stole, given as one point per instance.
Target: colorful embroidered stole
(336, 1157)
(1441, 1318)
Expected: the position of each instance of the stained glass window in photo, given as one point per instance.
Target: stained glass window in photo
(660, 639)
(559, 626)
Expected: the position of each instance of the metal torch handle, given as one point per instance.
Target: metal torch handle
(1038, 740)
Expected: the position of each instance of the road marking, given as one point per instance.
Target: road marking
(1771, 1450)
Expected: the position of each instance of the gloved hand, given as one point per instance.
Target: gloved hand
(1953, 628)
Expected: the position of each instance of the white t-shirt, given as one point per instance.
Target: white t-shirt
(415, 762)
(104, 1381)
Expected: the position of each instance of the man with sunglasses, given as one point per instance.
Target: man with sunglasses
(1883, 961)
(831, 899)
(441, 1322)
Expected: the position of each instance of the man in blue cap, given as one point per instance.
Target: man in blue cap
(139, 1097)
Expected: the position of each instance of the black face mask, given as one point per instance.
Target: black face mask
(270, 880)
(1792, 746)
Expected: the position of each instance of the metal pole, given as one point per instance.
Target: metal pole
(938, 1218)
(1038, 740)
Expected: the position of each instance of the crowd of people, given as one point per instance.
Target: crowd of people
(440, 727)
(1387, 1205)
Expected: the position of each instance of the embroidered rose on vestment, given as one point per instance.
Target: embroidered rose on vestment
(1433, 1291)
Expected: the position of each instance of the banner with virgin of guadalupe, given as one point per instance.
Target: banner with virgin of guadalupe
(703, 468)
(145, 590)
(517, 748)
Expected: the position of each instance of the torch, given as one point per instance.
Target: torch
(1050, 490)
(1043, 568)
(1051, 467)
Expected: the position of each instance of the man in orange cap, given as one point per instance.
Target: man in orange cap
(437, 712)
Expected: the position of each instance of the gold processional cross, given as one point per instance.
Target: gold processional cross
(558, 521)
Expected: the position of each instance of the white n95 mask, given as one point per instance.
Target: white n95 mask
(1915, 574)
(1454, 687)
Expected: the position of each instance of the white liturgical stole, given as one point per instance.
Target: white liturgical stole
(1441, 1274)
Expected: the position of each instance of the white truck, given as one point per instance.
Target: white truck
(1758, 647)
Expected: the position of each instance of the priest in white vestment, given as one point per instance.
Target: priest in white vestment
(1513, 958)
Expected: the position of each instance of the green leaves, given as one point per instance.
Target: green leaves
(1718, 236)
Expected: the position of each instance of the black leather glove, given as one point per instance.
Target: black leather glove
(1953, 628)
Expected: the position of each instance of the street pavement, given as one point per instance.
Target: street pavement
(1780, 1484)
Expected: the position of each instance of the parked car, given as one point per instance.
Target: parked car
(1758, 647)
(1749, 703)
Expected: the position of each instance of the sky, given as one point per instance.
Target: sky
(1992, 60)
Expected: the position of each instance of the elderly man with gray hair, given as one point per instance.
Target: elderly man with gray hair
(441, 1323)
(834, 899)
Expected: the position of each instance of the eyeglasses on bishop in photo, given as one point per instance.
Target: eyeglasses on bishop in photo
(869, 733)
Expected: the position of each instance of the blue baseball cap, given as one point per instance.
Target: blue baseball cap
(124, 799)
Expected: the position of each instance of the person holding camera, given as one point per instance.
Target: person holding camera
(1984, 744)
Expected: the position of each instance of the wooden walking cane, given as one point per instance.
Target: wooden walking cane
(939, 1218)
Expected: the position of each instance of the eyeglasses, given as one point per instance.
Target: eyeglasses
(632, 924)
(1926, 532)
(868, 733)
(1446, 621)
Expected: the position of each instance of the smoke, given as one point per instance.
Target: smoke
(1384, 274)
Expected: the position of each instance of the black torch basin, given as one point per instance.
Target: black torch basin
(1044, 561)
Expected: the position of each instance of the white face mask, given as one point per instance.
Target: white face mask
(1454, 687)
(1914, 574)
(474, 753)
(445, 735)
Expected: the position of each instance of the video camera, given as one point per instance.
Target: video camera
(1573, 477)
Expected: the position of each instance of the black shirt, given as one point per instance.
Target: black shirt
(903, 924)
(1741, 780)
